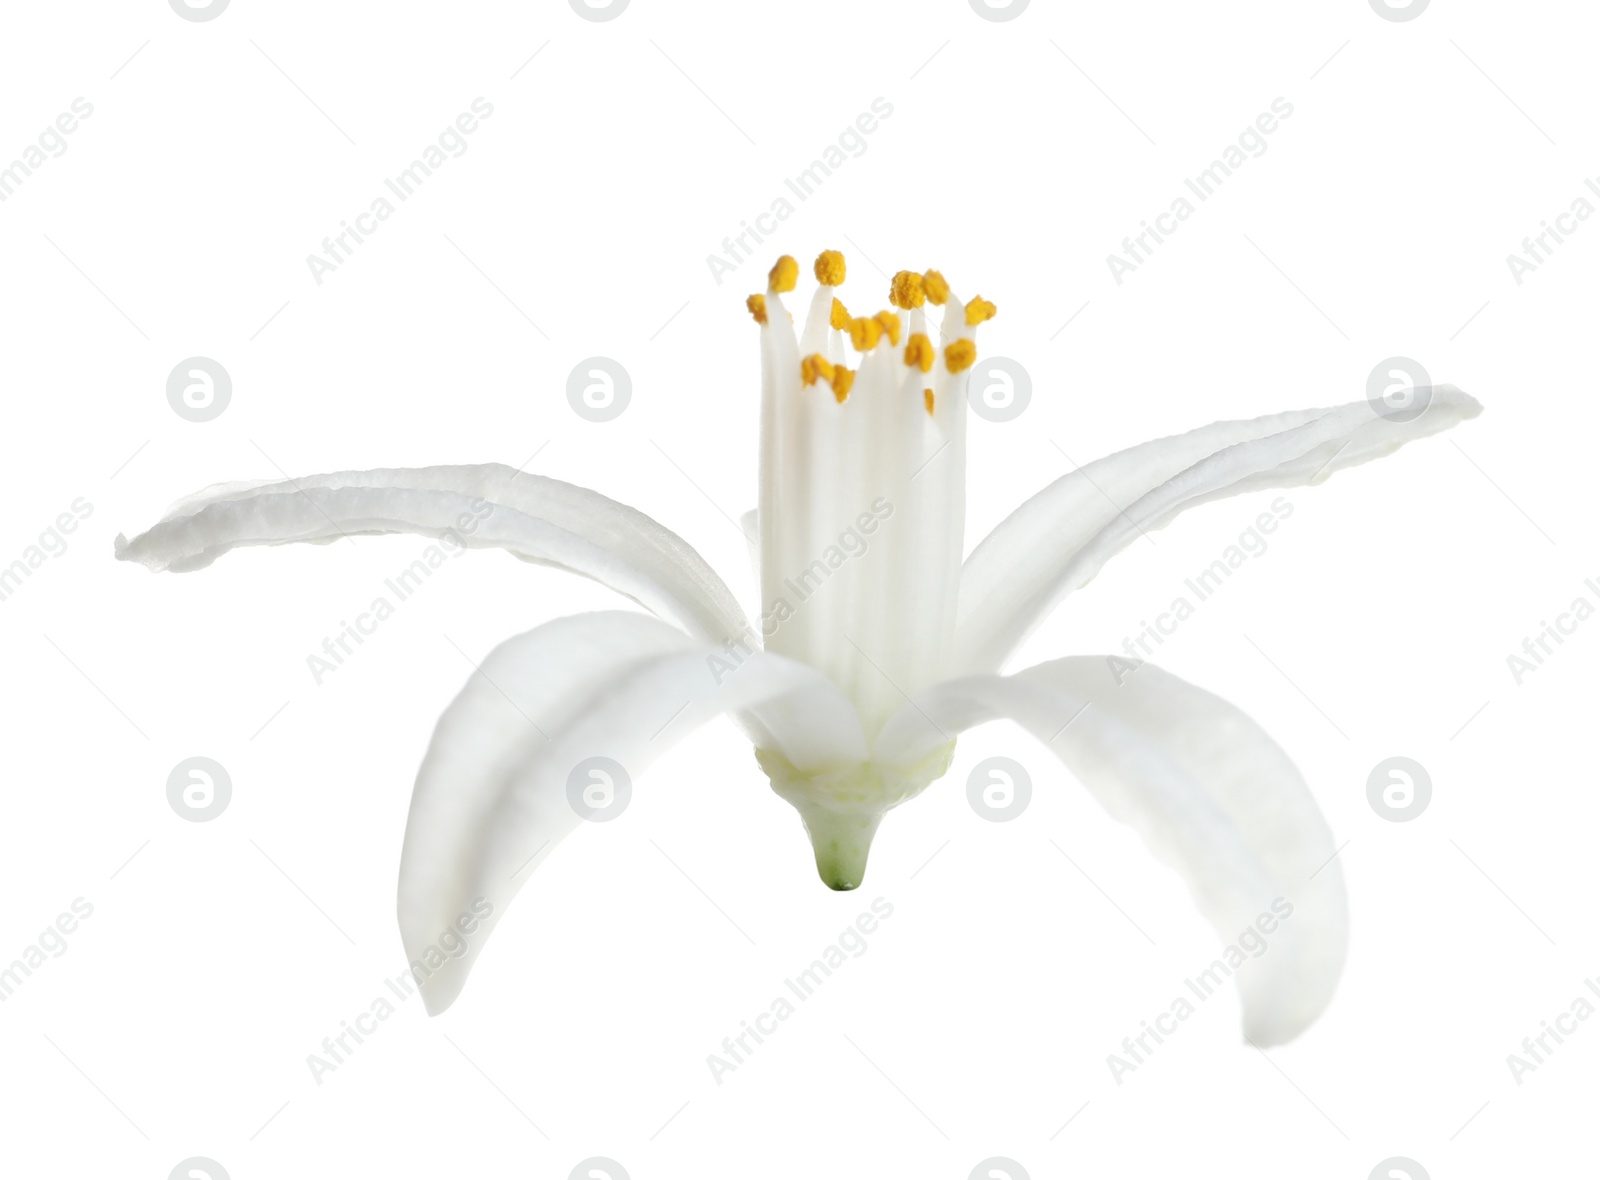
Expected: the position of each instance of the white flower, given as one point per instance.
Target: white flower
(877, 643)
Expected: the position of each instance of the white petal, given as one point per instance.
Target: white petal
(491, 505)
(1058, 540)
(750, 526)
(491, 797)
(1211, 794)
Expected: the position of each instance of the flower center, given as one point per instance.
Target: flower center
(863, 479)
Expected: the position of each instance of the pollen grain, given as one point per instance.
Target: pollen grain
(783, 274)
(958, 356)
(829, 268)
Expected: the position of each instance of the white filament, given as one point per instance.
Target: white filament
(862, 507)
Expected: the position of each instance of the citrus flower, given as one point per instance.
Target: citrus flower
(876, 643)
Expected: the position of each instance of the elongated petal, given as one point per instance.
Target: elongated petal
(1210, 793)
(492, 800)
(1058, 540)
(486, 506)
(750, 526)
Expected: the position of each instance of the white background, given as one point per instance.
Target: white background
(178, 1021)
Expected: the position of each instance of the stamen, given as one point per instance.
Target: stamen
(842, 380)
(959, 356)
(927, 399)
(829, 268)
(905, 290)
(978, 310)
(919, 352)
(783, 274)
(864, 333)
(935, 287)
(839, 318)
(758, 307)
(814, 366)
(890, 324)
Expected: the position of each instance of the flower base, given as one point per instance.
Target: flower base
(842, 808)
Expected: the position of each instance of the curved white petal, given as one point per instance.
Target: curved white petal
(491, 799)
(1058, 540)
(484, 506)
(1210, 793)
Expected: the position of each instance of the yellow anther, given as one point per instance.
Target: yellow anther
(864, 333)
(839, 318)
(783, 274)
(960, 355)
(891, 325)
(843, 379)
(978, 310)
(829, 268)
(905, 290)
(919, 352)
(758, 307)
(934, 286)
(814, 366)
(927, 399)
